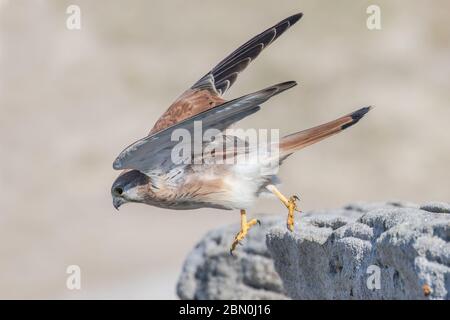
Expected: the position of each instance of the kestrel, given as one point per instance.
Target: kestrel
(149, 174)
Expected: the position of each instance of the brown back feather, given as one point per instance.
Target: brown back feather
(190, 103)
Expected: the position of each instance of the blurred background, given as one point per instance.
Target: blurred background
(71, 100)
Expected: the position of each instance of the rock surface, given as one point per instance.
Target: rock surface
(392, 250)
(210, 272)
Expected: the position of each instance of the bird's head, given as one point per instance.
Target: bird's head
(130, 186)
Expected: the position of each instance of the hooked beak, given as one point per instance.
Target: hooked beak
(117, 202)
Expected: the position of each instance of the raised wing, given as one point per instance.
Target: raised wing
(154, 151)
(206, 93)
(226, 72)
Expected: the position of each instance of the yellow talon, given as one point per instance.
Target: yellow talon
(292, 206)
(245, 226)
(290, 203)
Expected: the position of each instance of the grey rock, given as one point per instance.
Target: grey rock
(332, 254)
(210, 272)
(439, 207)
(334, 257)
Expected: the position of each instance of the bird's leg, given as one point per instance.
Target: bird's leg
(290, 203)
(245, 226)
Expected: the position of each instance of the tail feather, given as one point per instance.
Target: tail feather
(302, 139)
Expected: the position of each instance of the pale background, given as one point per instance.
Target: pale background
(70, 101)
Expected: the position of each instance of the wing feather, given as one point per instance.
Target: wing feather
(206, 93)
(247, 52)
(154, 151)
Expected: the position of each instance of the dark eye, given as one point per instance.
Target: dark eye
(118, 190)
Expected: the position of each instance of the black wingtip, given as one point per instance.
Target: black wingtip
(287, 84)
(280, 87)
(356, 116)
(294, 18)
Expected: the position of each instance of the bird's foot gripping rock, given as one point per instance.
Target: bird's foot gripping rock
(292, 206)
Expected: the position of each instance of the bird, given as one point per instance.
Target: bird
(149, 174)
